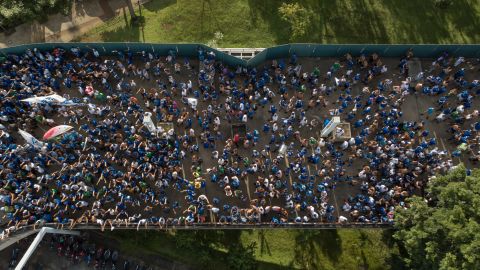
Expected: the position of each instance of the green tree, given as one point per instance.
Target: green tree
(442, 231)
(16, 12)
(298, 17)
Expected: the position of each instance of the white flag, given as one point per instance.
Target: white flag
(45, 99)
(30, 139)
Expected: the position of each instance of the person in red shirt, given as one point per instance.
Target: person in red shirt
(236, 139)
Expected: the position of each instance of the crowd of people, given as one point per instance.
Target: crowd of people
(153, 142)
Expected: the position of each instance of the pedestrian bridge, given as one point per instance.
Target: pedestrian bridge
(253, 57)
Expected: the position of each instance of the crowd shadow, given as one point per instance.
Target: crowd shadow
(267, 10)
(264, 246)
(311, 243)
(229, 238)
(312, 249)
(394, 259)
(206, 242)
(366, 21)
(329, 22)
(430, 24)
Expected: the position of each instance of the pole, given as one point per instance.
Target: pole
(131, 9)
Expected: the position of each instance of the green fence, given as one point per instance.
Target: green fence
(281, 51)
(321, 50)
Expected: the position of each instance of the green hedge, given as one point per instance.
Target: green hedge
(16, 12)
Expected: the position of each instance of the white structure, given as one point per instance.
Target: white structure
(242, 53)
(330, 126)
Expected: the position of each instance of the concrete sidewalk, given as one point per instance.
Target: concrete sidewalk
(85, 15)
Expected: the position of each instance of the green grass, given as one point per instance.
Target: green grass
(321, 249)
(256, 23)
(276, 249)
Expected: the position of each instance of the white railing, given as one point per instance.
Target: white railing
(242, 53)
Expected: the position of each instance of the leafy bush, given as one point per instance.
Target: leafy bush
(298, 17)
(441, 230)
(16, 12)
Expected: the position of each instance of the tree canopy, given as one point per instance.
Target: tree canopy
(298, 17)
(442, 230)
(16, 12)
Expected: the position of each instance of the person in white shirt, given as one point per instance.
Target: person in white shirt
(440, 117)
